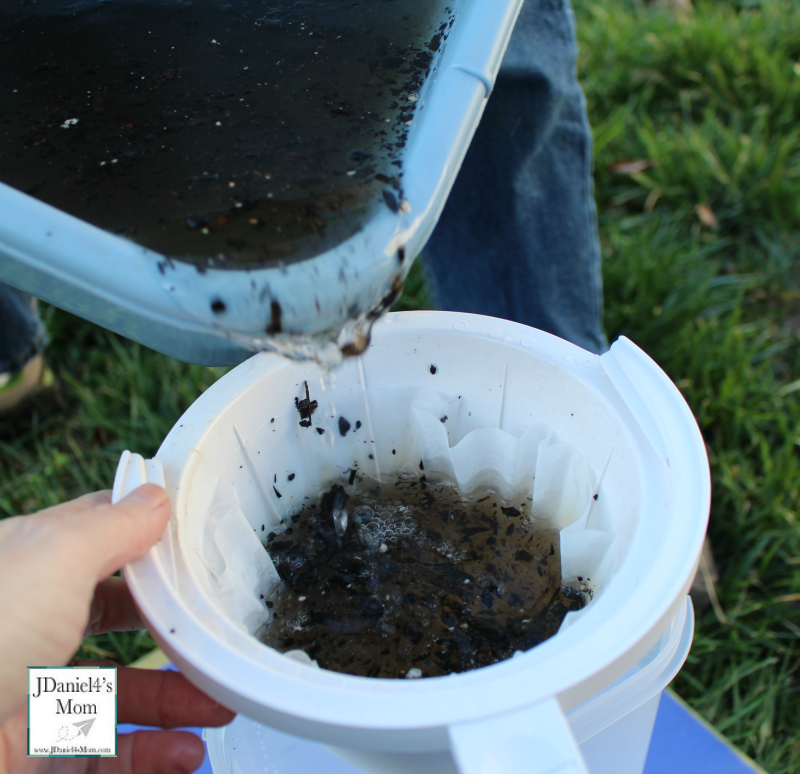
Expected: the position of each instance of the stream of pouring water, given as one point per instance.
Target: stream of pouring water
(326, 348)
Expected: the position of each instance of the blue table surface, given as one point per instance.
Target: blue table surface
(684, 744)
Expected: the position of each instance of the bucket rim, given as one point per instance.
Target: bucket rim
(267, 679)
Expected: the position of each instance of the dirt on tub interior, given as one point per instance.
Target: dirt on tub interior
(229, 135)
(417, 582)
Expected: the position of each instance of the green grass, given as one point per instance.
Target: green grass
(701, 249)
(708, 102)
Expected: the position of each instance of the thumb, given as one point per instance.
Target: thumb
(114, 535)
(50, 564)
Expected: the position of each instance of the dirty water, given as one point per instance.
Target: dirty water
(228, 135)
(412, 580)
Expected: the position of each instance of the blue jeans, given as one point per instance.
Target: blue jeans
(22, 333)
(518, 235)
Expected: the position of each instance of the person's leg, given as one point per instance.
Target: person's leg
(22, 334)
(23, 373)
(518, 236)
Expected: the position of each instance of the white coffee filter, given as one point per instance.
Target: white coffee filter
(605, 446)
(381, 434)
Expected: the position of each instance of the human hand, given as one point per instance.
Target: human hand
(54, 568)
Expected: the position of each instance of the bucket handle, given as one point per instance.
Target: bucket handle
(534, 740)
(134, 470)
(620, 364)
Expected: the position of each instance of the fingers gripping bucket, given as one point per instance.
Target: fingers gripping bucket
(639, 534)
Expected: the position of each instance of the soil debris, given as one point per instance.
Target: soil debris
(390, 580)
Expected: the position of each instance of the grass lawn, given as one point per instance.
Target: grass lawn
(697, 130)
(697, 133)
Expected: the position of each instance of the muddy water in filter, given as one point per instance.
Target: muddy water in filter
(225, 134)
(412, 580)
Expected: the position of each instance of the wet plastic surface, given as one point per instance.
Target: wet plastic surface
(228, 135)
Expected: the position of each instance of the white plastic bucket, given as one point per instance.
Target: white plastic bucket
(622, 413)
(613, 729)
